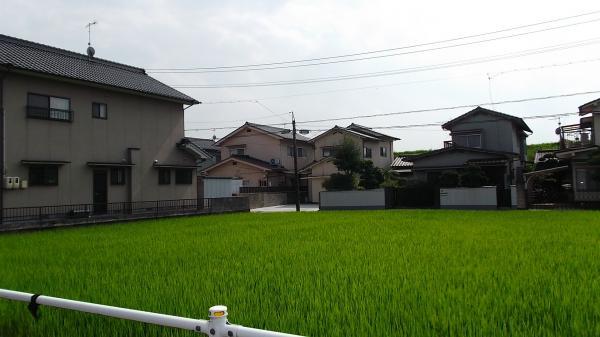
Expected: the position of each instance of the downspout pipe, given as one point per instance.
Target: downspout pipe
(2, 142)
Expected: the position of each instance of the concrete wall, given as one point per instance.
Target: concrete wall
(368, 199)
(265, 199)
(154, 126)
(231, 204)
(469, 198)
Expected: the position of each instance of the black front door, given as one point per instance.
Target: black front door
(100, 191)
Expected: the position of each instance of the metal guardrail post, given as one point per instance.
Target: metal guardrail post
(217, 324)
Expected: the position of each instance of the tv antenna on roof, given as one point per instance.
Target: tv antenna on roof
(90, 49)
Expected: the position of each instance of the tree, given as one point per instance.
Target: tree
(347, 157)
(449, 179)
(341, 182)
(370, 176)
(473, 176)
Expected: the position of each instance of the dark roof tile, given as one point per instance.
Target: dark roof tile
(31, 56)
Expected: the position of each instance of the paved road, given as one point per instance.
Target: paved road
(287, 208)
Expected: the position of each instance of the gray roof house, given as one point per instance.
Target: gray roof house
(579, 144)
(492, 140)
(80, 130)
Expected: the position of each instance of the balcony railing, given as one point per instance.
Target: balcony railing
(448, 143)
(51, 114)
(575, 136)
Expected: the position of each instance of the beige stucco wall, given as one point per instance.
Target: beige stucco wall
(154, 126)
(315, 186)
(266, 147)
(247, 172)
(334, 139)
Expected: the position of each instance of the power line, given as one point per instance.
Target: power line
(455, 107)
(381, 50)
(438, 66)
(493, 75)
(378, 56)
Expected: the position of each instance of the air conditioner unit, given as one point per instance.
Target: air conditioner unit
(16, 182)
(275, 162)
(24, 184)
(8, 183)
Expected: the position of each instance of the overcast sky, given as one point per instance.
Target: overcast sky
(192, 34)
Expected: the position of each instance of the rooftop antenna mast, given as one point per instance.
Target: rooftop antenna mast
(90, 49)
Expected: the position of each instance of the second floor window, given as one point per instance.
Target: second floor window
(467, 140)
(49, 107)
(291, 151)
(164, 176)
(99, 110)
(383, 151)
(328, 152)
(239, 151)
(367, 152)
(41, 175)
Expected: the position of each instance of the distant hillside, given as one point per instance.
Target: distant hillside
(531, 150)
(410, 153)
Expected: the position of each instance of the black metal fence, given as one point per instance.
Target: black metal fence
(82, 213)
(262, 189)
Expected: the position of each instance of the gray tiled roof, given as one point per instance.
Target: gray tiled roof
(31, 56)
(399, 162)
(281, 132)
(205, 144)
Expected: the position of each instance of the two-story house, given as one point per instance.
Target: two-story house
(261, 155)
(83, 130)
(374, 146)
(204, 150)
(494, 141)
(578, 144)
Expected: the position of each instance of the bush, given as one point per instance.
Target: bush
(416, 194)
(472, 176)
(370, 176)
(341, 182)
(449, 179)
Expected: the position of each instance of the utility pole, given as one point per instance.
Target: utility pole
(296, 175)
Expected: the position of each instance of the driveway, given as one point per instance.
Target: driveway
(286, 208)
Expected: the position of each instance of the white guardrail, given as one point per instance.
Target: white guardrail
(217, 324)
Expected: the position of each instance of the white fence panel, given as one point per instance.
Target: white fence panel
(218, 187)
(469, 198)
(368, 199)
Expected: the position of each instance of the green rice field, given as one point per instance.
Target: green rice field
(352, 273)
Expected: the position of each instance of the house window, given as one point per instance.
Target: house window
(49, 107)
(367, 152)
(585, 181)
(328, 152)
(299, 149)
(237, 151)
(245, 182)
(468, 140)
(383, 151)
(99, 110)
(40, 175)
(117, 176)
(164, 176)
(263, 183)
(183, 176)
